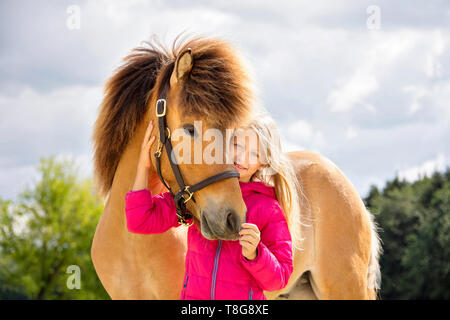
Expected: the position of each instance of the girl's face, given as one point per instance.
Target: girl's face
(246, 159)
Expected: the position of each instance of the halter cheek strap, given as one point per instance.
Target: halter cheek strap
(185, 192)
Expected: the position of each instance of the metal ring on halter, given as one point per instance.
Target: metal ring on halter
(186, 188)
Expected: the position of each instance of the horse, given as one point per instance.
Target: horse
(206, 79)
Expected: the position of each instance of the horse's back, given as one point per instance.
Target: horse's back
(341, 243)
(320, 178)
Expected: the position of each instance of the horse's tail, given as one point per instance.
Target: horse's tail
(123, 107)
(373, 272)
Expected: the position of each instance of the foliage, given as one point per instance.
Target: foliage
(415, 222)
(49, 228)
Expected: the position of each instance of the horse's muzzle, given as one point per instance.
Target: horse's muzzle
(223, 225)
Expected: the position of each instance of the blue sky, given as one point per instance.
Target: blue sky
(376, 102)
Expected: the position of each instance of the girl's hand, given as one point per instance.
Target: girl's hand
(144, 158)
(144, 164)
(249, 240)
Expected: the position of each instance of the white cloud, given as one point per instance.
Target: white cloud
(352, 92)
(41, 125)
(434, 97)
(134, 22)
(424, 169)
(381, 50)
(351, 133)
(302, 132)
(301, 129)
(417, 93)
(433, 66)
(38, 116)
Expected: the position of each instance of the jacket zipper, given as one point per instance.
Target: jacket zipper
(250, 295)
(214, 275)
(185, 281)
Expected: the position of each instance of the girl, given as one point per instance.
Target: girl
(262, 258)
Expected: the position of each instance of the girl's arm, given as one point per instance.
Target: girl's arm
(273, 264)
(144, 163)
(147, 214)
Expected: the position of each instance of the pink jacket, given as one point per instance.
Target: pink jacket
(216, 269)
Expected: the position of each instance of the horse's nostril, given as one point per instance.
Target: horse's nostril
(232, 224)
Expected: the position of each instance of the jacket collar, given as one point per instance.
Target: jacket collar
(257, 187)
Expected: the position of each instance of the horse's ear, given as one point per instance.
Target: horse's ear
(183, 66)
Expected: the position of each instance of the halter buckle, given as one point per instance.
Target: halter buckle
(163, 113)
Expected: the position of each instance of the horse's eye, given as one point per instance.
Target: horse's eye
(190, 129)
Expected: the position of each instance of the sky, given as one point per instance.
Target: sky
(365, 84)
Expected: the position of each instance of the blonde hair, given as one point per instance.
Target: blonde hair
(278, 173)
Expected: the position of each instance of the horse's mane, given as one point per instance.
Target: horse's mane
(218, 89)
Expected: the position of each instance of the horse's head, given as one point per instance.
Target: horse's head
(207, 95)
(207, 91)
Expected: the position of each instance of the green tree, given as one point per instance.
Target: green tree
(415, 223)
(49, 228)
(428, 254)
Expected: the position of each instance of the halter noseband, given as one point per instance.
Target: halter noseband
(186, 192)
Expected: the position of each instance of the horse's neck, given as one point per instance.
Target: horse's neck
(124, 260)
(123, 184)
(124, 179)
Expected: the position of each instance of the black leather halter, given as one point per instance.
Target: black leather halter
(186, 192)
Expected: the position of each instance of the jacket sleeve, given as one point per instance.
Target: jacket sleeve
(273, 264)
(147, 214)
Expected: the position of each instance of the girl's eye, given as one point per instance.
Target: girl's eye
(190, 129)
